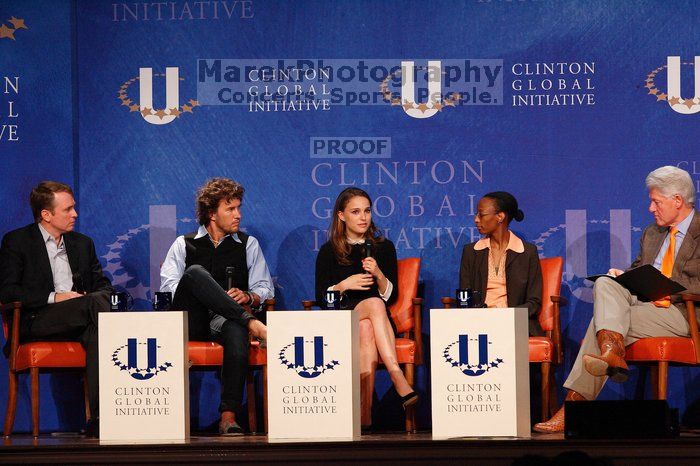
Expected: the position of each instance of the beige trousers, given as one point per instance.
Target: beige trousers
(616, 309)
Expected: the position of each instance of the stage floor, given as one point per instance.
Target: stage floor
(384, 448)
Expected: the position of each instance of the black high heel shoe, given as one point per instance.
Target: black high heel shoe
(409, 400)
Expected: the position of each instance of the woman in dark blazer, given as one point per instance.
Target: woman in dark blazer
(503, 268)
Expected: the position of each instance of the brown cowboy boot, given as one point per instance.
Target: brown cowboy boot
(556, 422)
(611, 361)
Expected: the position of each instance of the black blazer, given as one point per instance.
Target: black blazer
(25, 270)
(523, 278)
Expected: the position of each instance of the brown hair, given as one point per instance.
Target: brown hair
(336, 235)
(212, 193)
(42, 197)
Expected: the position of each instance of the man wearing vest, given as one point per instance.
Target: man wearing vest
(671, 245)
(219, 274)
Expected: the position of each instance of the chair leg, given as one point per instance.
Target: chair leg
(545, 390)
(654, 375)
(252, 412)
(11, 404)
(411, 410)
(264, 382)
(34, 382)
(663, 379)
(88, 414)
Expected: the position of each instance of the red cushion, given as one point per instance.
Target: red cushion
(672, 349)
(405, 351)
(209, 353)
(541, 349)
(50, 354)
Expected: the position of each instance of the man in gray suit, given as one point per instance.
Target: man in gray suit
(619, 317)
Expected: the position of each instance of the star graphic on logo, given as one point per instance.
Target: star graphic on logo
(17, 23)
(7, 32)
(146, 111)
(689, 103)
(674, 100)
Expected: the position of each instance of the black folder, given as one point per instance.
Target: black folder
(646, 282)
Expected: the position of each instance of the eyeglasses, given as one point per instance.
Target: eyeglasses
(484, 214)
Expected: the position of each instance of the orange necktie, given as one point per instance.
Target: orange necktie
(667, 265)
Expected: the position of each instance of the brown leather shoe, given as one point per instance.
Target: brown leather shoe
(611, 361)
(556, 422)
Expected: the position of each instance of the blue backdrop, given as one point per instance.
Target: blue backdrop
(563, 103)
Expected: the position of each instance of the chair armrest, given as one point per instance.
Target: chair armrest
(308, 304)
(15, 309)
(10, 306)
(418, 329)
(269, 305)
(562, 301)
(690, 297)
(690, 300)
(448, 302)
(555, 334)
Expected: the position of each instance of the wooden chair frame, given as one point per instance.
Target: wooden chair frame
(659, 367)
(13, 310)
(548, 393)
(269, 306)
(415, 334)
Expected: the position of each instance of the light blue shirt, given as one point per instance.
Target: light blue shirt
(259, 279)
(680, 235)
(60, 268)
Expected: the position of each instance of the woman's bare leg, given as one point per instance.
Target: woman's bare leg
(375, 310)
(369, 358)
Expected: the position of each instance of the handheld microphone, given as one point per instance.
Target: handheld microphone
(229, 277)
(368, 249)
(78, 285)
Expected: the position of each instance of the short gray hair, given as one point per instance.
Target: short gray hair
(670, 180)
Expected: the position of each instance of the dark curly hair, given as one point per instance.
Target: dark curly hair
(212, 193)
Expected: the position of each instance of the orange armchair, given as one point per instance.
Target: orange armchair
(33, 357)
(659, 352)
(209, 354)
(406, 314)
(546, 350)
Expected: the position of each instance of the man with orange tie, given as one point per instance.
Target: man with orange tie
(671, 245)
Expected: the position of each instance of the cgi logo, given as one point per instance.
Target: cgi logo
(468, 82)
(140, 373)
(461, 359)
(297, 361)
(685, 106)
(146, 108)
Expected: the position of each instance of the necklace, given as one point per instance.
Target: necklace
(494, 260)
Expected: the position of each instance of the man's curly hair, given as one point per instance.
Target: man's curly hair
(212, 193)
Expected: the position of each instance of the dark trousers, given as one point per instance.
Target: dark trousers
(75, 319)
(198, 294)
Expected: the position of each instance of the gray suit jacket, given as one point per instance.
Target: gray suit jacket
(686, 267)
